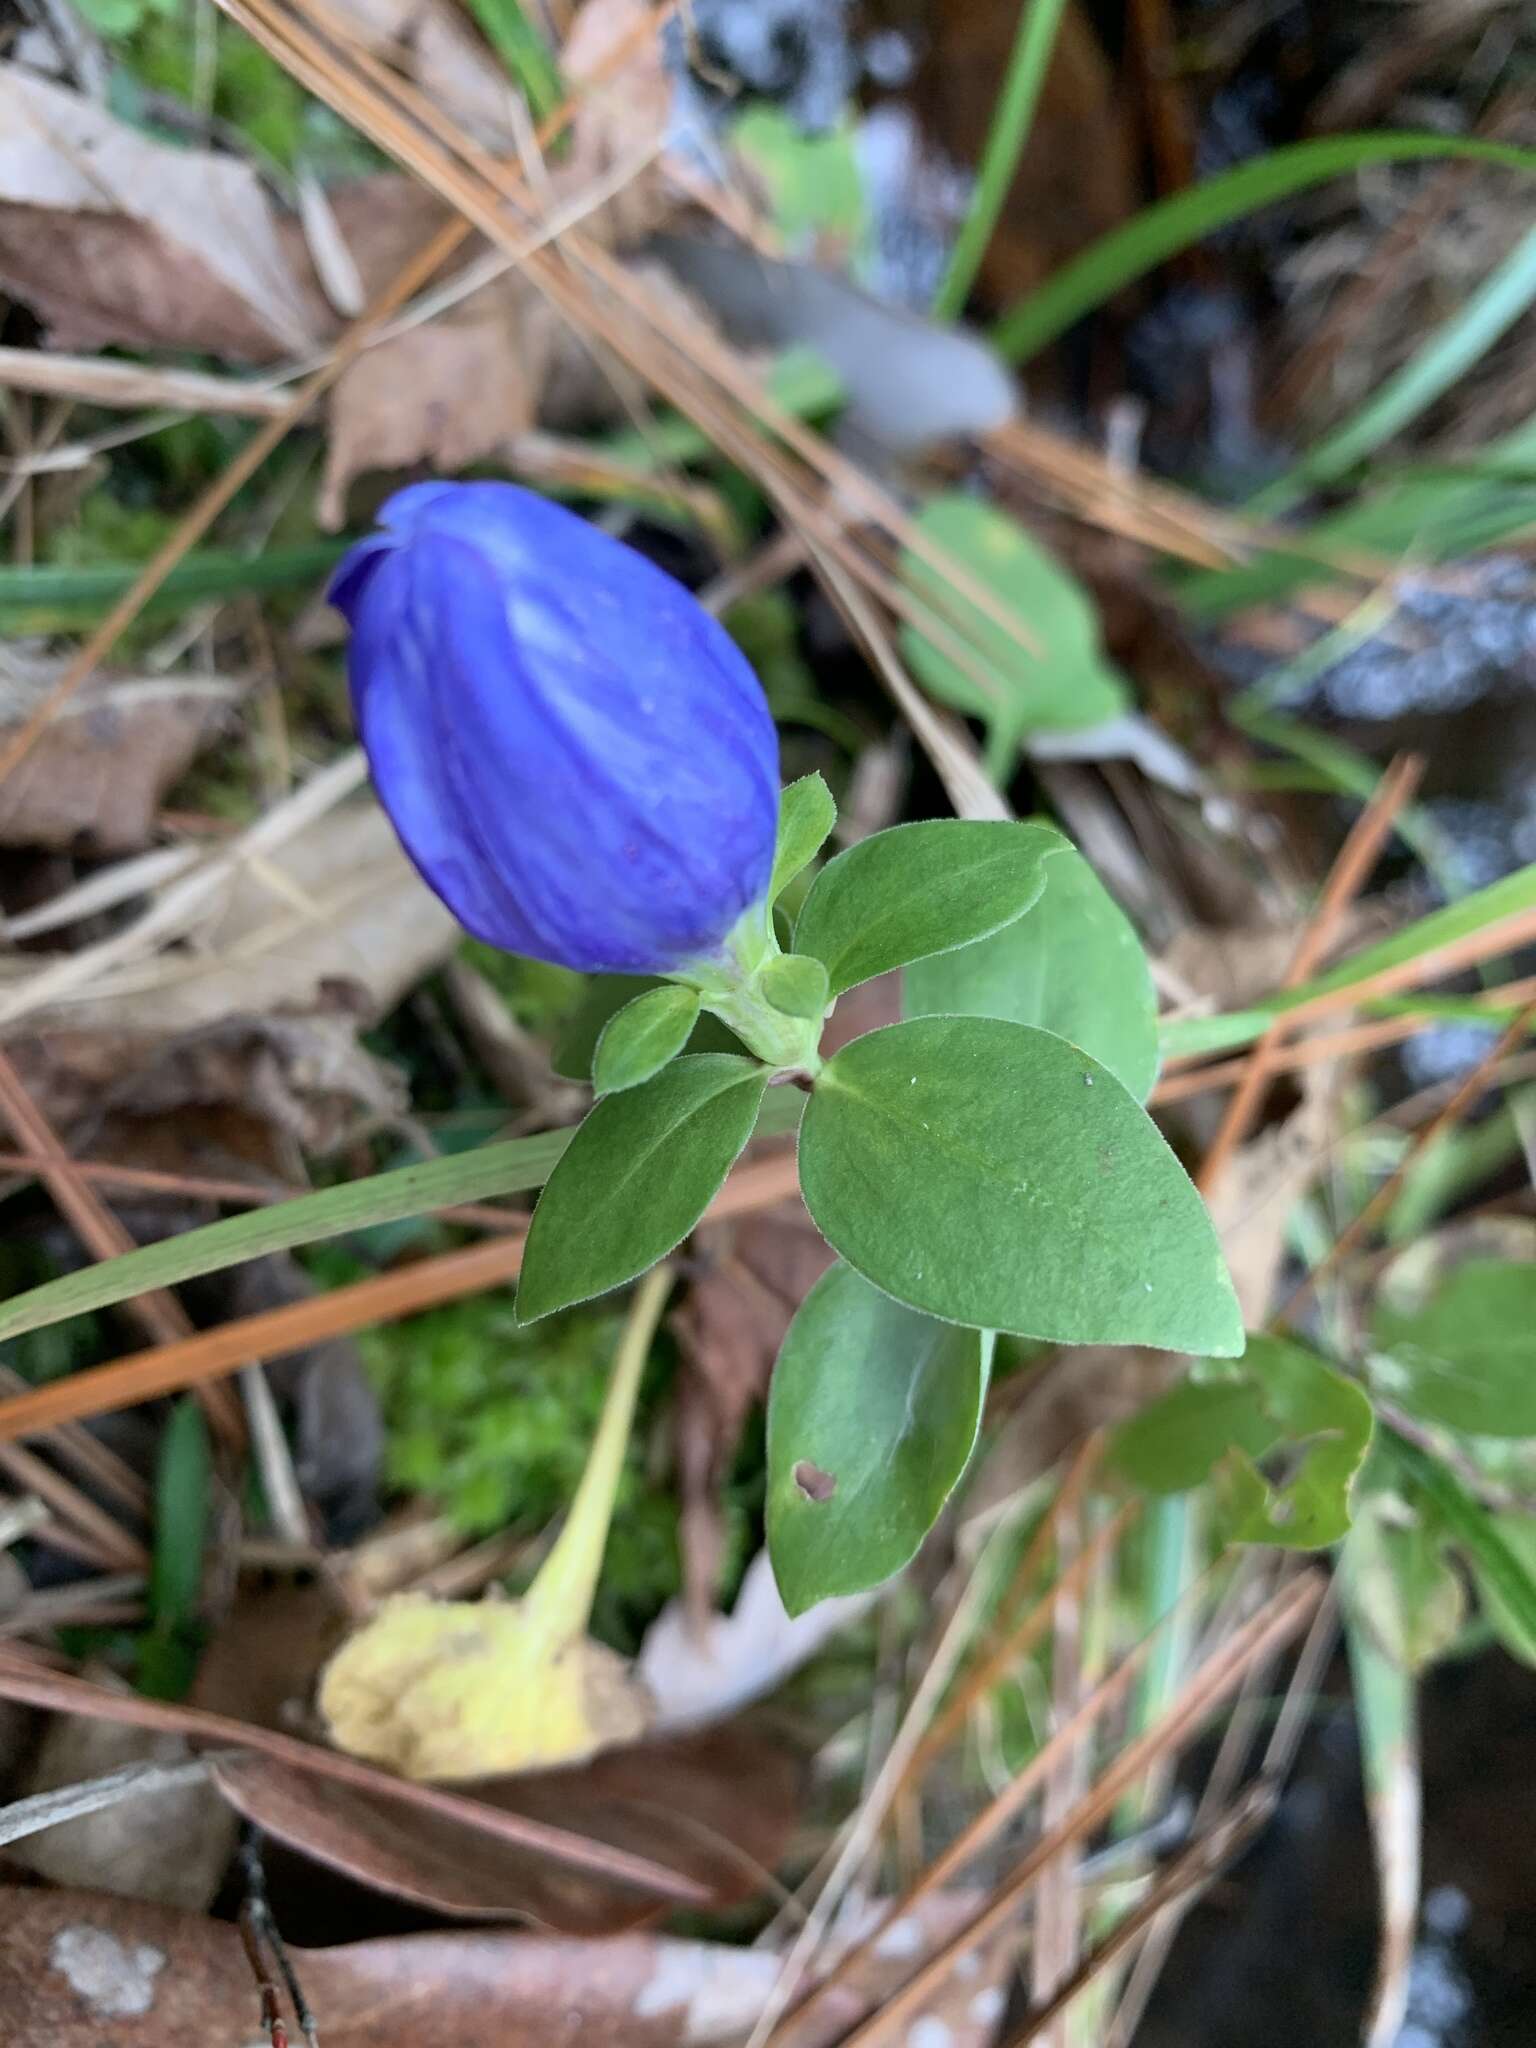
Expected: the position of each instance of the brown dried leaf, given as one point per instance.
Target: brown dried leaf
(169, 1845)
(314, 943)
(93, 782)
(432, 43)
(82, 1970)
(717, 1807)
(623, 106)
(453, 392)
(112, 237)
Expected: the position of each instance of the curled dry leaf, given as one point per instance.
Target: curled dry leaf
(93, 782)
(307, 947)
(81, 1969)
(111, 237)
(716, 1807)
(452, 392)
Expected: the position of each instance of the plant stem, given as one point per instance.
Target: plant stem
(560, 1598)
(1011, 122)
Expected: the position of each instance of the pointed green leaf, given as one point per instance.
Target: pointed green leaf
(1467, 1359)
(1069, 683)
(796, 985)
(872, 1415)
(921, 889)
(636, 1177)
(1071, 964)
(806, 817)
(638, 1040)
(605, 995)
(993, 1174)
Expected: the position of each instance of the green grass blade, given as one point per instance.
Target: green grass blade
(1386, 1721)
(1189, 1036)
(491, 1170)
(55, 598)
(1187, 217)
(527, 56)
(1011, 122)
(1429, 373)
(477, 1176)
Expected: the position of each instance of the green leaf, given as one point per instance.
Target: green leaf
(1073, 965)
(1517, 1533)
(607, 994)
(806, 817)
(1500, 1568)
(1219, 1425)
(1174, 1444)
(872, 1415)
(993, 1174)
(921, 889)
(1399, 1583)
(1187, 217)
(813, 180)
(1068, 684)
(1468, 1359)
(638, 1040)
(796, 985)
(636, 1177)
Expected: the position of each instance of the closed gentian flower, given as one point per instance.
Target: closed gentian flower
(575, 755)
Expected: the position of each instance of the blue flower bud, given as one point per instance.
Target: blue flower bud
(574, 753)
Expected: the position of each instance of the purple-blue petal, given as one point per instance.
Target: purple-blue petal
(575, 754)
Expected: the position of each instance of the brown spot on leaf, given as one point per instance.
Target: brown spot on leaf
(813, 1482)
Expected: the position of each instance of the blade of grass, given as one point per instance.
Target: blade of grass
(1386, 1720)
(52, 599)
(518, 44)
(386, 1297)
(505, 1169)
(1185, 218)
(1012, 119)
(1428, 374)
(1484, 913)
(514, 1167)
